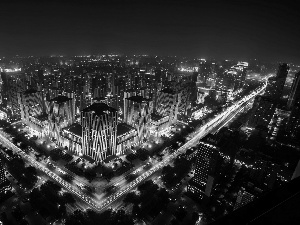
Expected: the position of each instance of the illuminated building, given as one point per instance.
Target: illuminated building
(157, 124)
(263, 110)
(4, 182)
(72, 138)
(295, 91)
(127, 94)
(31, 104)
(166, 104)
(125, 138)
(13, 83)
(99, 131)
(275, 84)
(204, 71)
(264, 173)
(279, 118)
(139, 115)
(202, 93)
(293, 125)
(206, 169)
(61, 115)
(243, 198)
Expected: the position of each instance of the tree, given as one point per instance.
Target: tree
(131, 197)
(68, 198)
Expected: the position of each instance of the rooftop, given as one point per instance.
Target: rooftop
(42, 117)
(168, 90)
(60, 99)
(138, 99)
(99, 99)
(155, 116)
(99, 109)
(30, 91)
(75, 128)
(123, 128)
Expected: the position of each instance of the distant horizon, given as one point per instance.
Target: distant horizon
(152, 55)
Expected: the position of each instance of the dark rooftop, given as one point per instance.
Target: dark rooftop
(30, 91)
(279, 206)
(122, 128)
(155, 117)
(60, 99)
(130, 90)
(138, 99)
(75, 128)
(42, 117)
(99, 108)
(99, 98)
(168, 90)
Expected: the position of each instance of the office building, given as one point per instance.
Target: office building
(4, 182)
(243, 198)
(208, 162)
(126, 138)
(13, 83)
(99, 131)
(72, 138)
(139, 115)
(276, 84)
(166, 104)
(60, 114)
(293, 125)
(295, 91)
(263, 110)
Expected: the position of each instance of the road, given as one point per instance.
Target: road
(97, 205)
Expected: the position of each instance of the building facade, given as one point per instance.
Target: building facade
(99, 131)
(60, 115)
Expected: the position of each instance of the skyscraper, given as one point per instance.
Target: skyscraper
(60, 114)
(243, 198)
(276, 84)
(99, 131)
(138, 115)
(263, 110)
(4, 183)
(206, 168)
(295, 91)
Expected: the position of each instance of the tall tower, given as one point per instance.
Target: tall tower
(139, 115)
(263, 110)
(4, 182)
(276, 84)
(207, 165)
(99, 131)
(295, 91)
(60, 114)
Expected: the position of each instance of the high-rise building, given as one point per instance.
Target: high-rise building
(207, 165)
(293, 125)
(295, 91)
(139, 115)
(33, 112)
(263, 110)
(243, 198)
(4, 182)
(276, 84)
(60, 114)
(99, 131)
(166, 103)
(13, 83)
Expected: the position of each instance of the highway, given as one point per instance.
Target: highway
(211, 126)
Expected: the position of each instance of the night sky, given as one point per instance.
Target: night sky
(234, 30)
